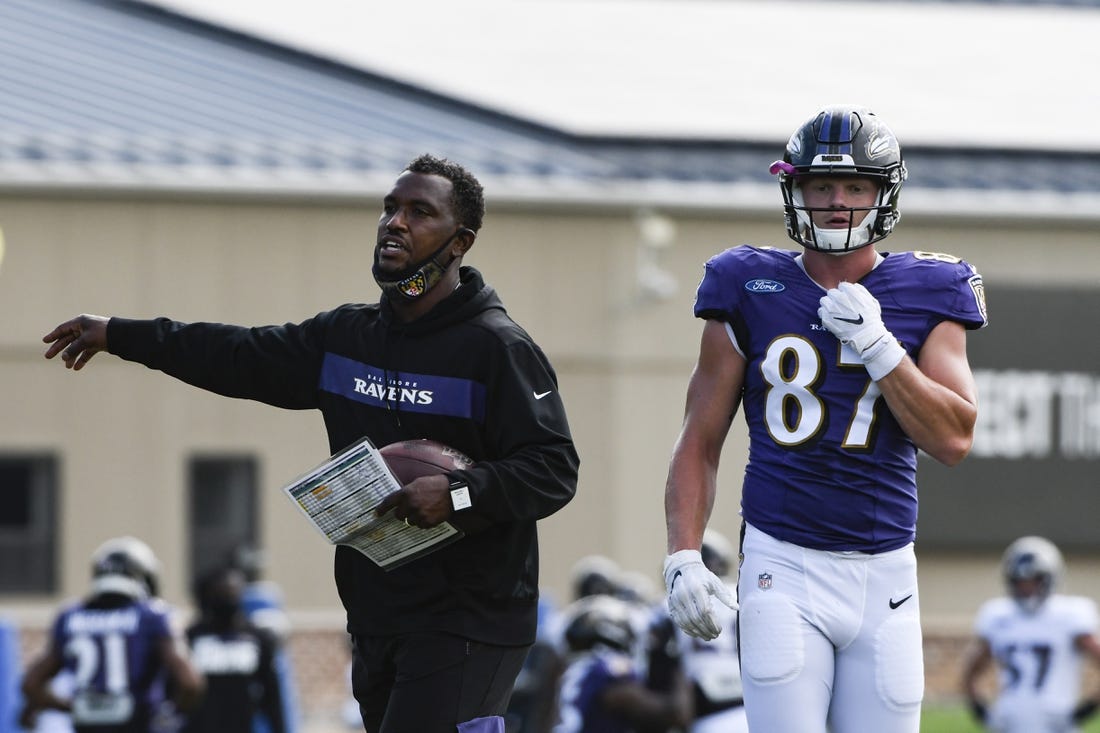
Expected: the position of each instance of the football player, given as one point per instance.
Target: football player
(117, 644)
(601, 689)
(237, 658)
(846, 361)
(1038, 641)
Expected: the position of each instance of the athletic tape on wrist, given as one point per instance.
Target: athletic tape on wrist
(883, 356)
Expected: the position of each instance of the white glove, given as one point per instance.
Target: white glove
(690, 586)
(853, 315)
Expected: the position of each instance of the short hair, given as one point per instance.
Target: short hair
(467, 196)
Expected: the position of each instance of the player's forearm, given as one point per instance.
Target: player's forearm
(689, 497)
(939, 421)
(47, 700)
(188, 684)
(649, 710)
(36, 684)
(970, 684)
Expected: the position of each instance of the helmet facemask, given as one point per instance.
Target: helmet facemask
(1032, 569)
(841, 141)
(599, 622)
(879, 221)
(1033, 598)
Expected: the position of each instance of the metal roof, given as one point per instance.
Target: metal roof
(121, 94)
(110, 89)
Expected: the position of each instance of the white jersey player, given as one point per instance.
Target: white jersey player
(1038, 641)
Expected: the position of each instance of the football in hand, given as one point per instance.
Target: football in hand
(411, 459)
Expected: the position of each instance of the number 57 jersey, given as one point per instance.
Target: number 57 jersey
(829, 467)
(1039, 665)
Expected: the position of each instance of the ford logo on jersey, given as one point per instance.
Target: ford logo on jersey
(764, 286)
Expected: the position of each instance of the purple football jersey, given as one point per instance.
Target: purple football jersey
(111, 653)
(582, 685)
(829, 467)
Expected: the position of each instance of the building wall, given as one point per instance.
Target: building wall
(570, 276)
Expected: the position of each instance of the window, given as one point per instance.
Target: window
(28, 523)
(223, 509)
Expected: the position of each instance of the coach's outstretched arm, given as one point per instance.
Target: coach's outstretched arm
(77, 340)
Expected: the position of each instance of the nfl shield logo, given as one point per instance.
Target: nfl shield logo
(764, 581)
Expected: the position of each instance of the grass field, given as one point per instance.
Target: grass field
(947, 720)
(958, 720)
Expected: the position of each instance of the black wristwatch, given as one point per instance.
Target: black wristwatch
(460, 495)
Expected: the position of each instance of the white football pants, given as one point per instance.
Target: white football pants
(830, 641)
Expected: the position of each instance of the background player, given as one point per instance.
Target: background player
(1038, 640)
(117, 644)
(237, 658)
(711, 667)
(601, 689)
(846, 361)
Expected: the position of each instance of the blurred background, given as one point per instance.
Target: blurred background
(225, 161)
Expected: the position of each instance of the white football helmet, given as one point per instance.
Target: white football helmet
(595, 575)
(127, 566)
(1032, 568)
(599, 621)
(717, 553)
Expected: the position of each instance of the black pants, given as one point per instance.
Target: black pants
(431, 682)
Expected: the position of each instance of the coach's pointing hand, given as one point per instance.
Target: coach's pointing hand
(77, 340)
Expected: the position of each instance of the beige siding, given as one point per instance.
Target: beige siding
(124, 433)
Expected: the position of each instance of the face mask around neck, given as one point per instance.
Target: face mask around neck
(418, 278)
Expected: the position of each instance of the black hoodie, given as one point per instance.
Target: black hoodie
(465, 375)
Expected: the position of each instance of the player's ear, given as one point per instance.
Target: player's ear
(463, 241)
